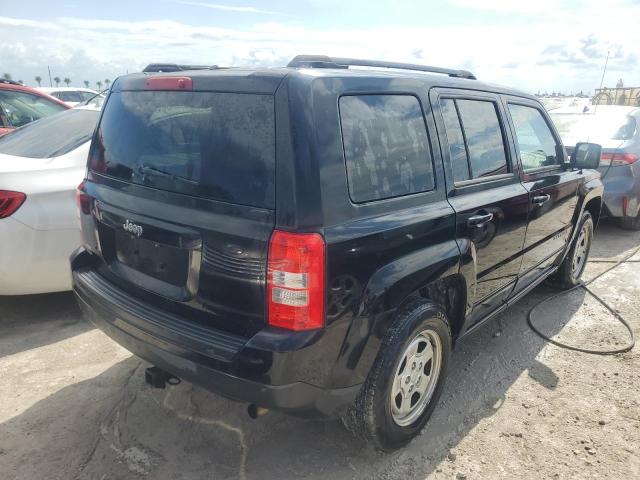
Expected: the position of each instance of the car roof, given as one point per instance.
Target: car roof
(65, 89)
(267, 80)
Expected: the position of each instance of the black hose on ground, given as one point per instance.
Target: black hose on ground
(585, 285)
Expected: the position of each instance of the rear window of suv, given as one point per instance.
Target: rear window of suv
(386, 146)
(209, 144)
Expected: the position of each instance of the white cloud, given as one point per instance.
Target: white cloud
(510, 6)
(562, 52)
(226, 8)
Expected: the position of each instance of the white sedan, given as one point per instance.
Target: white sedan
(72, 96)
(41, 164)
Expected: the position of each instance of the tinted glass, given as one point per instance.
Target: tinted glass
(52, 136)
(455, 139)
(68, 96)
(535, 141)
(484, 137)
(386, 146)
(22, 108)
(216, 145)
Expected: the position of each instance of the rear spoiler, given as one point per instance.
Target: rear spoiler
(174, 67)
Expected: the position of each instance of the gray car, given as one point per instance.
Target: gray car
(617, 129)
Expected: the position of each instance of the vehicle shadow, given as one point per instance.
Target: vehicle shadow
(114, 424)
(32, 321)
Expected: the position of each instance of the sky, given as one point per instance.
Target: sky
(535, 45)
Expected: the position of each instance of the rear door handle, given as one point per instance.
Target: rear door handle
(540, 199)
(479, 220)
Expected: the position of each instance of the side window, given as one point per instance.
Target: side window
(474, 135)
(484, 137)
(455, 139)
(536, 143)
(386, 146)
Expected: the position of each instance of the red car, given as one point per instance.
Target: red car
(20, 105)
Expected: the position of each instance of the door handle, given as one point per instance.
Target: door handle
(479, 220)
(540, 199)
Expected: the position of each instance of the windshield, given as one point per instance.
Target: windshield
(22, 108)
(51, 136)
(217, 145)
(597, 128)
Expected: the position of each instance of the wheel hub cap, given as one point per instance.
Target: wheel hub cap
(580, 253)
(416, 378)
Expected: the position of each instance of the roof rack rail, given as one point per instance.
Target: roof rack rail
(323, 61)
(174, 67)
(10, 82)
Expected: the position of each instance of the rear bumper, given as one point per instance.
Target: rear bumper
(232, 366)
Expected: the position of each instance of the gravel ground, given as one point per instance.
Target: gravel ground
(74, 404)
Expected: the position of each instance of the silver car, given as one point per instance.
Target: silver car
(617, 129)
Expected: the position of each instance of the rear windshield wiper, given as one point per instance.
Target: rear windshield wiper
(146, 169)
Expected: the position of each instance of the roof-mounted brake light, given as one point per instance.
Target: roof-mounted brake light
(168, 83)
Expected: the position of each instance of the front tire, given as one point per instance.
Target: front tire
(406, 380)
(572, 267)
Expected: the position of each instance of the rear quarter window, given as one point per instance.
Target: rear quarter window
(386, 146)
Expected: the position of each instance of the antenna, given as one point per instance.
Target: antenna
(604, 70)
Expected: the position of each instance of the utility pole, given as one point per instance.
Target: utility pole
(50, 82)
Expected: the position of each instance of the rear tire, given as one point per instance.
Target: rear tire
(572, 267)
(631, 223)
(406, 380)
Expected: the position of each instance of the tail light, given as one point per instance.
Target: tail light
(83, 201)
(617, 158)
(296, 280)
(10, 202)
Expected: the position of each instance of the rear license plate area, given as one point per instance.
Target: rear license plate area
(163, 262)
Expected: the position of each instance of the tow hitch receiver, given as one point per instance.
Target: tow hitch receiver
(158, 378)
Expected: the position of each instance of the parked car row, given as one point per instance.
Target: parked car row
(324, 270)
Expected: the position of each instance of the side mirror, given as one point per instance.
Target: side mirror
(586, 155)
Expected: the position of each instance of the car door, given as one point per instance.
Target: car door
(484, 189)
(552, 187)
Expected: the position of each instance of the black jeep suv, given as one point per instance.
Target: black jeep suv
(314, 238)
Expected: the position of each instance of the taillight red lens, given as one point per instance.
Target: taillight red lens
(168, 83)
(617, 158)
(83, 201)
(10, 202)
(296, 280)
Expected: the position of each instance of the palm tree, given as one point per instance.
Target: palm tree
(6, 76)
(107, 82)
(86, 83)
(67, 80)
(99, 84)
(57, 80)
(39, 79)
